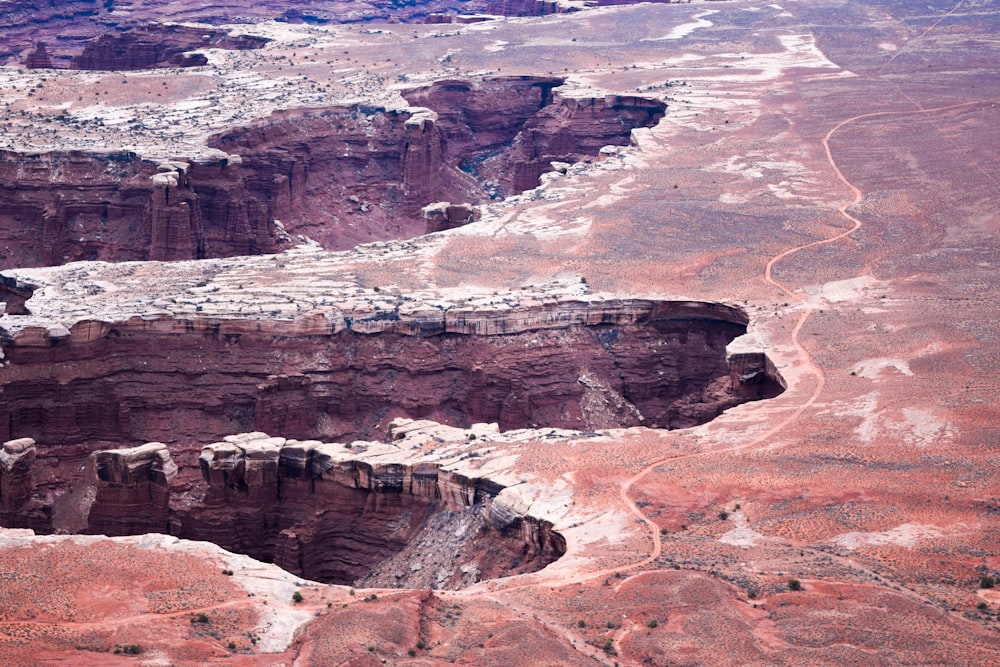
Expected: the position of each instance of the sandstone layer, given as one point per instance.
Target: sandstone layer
(58, 208)
(331, 512)
(586, 364)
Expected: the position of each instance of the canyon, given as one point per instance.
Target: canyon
(580, 364)
(339, 176)
(339, 513)
(498, 333)
(329, 512)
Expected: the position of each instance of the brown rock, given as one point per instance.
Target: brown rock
(17, 459)
(445, 215)
(132, 490)
(39, 58)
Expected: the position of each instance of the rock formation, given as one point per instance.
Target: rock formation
(750, 369)
(506, 130)
(445, 215)
(132, 490)
(568, 130)
(332, 513)
(158, 45)
(17, 458)
(584, 364)
(57, 208)
(338, 175)
(39, 58)
(328, 512)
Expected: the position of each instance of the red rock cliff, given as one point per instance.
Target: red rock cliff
(575, 364)
(62, 207)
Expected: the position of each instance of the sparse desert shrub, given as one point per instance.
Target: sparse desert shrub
(987, 581)
(581, 623)
(723, 515)
(201, 617)
(652, 623)
(794, 585)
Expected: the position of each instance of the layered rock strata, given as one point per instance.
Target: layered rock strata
(63, 207)
(330, 512)
(133, 490)
(17, 482)
(583, 363)
(507, 131)
(341, 175)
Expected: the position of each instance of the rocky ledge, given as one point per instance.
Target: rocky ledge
(333, 512)
(347, 367)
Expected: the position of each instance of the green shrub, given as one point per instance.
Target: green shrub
(794, 585)
(987, 581)
(296, 597)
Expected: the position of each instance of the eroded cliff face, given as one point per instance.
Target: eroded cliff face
(507, 131)
(340, 175)
(334, 375)
(335, 513)
(346, 175)
(326, 511)
(571, 129)
(63, 207)
(158, 45)
(132, 490)
(364, 173)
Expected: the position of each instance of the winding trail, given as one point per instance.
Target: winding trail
(804, 355)
(536, 578)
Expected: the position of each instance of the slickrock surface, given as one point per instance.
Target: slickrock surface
(825, 169)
